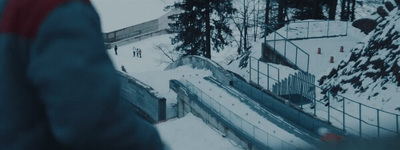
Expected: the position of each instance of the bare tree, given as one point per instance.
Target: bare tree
(347, 12)
(170, 54)
(256, 17)
(246, 20)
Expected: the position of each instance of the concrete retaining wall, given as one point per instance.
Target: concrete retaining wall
(188, 103)
(145, 101)
(140, 31)
(283, 107)
(266, 99)
(269, 55)
(198, 62)
(138, 38)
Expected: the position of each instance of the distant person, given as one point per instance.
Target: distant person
(123, 69)
(59, 89)
(134, 49)
(140, 53)
(116, 49)
(137, 52)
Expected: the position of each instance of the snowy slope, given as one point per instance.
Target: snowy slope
(371, 73)
(149, 69)
(191, 133)
(180, 134)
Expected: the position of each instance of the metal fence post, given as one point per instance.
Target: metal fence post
(308, 62)
(344, 115)
(301, 97)
(397, 123)
(258, 72)
(250, 70)
(329, 106)
(360, 118)
(315, 105)
(295, 63)
(308, 28)
(290, 92)
(377, 115)
(285, 48)
(267, 76)
(274, 40)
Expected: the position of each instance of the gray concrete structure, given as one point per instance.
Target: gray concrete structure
(284, 108)
(268, 100)
(198, 62)
(139, 32)
(269, 54)
(189, 103)
(143, 98)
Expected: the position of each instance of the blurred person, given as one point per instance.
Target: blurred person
(116, 49)
(133, 49)
(137, 52)
(59, 89)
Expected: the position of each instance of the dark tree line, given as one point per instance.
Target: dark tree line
(313, 9)
(307, 9)
(200, 25)
(203, 25)
(347, 10)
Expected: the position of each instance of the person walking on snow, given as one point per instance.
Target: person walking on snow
(140, 53)
(115, 49)
(133, 51)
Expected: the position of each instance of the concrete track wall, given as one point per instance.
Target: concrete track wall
(198, 62)
(266, 99)
(188, 103)
(143, 98)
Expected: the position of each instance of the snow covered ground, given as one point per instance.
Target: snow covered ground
(186, 133)
(320, 66)
(179, 133)
(150, 70)
(242, 116)
(190, 132)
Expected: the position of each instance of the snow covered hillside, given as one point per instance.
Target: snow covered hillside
(371, 74)
(371, 58)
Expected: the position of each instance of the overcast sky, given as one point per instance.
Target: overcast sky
(117, 14)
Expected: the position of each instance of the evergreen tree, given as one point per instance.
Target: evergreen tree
(201, 23)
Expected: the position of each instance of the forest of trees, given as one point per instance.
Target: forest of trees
(204, 25)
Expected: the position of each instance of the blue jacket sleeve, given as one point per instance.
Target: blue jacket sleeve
(79, 87)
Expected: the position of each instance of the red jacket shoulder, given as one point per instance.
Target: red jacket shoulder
(23, 17)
